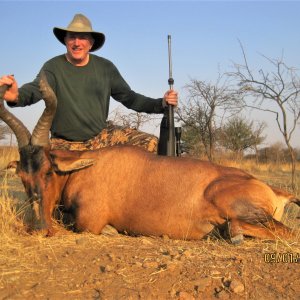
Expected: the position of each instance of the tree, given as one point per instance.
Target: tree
(191, 141)
(276, 92)
(239, 135)
(133, 119)
(205, 107)
(274, 153)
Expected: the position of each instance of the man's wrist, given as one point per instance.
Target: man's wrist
(13, 103)
(164, 103)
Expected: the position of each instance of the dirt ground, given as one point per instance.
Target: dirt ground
(116, 266)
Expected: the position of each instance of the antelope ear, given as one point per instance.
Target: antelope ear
(13, 166)
(68, 164)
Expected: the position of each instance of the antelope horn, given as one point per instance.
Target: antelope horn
(21, 132)
(40, 134)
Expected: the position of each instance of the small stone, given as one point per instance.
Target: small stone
(165, 238)
(185, 296)
(108, 268)
(223, 295)
(215, 274)
(146, 241)
(237, 286)
(111, 257)
(162, 267)
(172, 267)
(226, 281)
(237, 240)
(201, 284)
(173, 293)
(188, 253)
(146, 293)
(102, 269)
(150, 264)
(98, 294)
(82, 241)
(109, 231)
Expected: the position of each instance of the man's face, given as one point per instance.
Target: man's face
(78, 47)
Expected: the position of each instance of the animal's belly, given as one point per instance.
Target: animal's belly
(176, 229)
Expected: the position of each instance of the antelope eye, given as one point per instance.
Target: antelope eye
(49, 173)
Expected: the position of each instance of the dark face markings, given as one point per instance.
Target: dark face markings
(34, 169)
(31, 158)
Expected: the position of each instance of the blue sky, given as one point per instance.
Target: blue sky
(204, 39)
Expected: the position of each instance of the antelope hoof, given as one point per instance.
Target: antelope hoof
(50, 232)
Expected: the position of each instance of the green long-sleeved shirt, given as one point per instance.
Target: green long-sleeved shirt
(83, 95)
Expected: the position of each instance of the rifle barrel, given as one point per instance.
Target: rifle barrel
(171, 126)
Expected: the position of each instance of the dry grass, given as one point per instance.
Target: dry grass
(7, 154)
(10, 219)
(11, 209)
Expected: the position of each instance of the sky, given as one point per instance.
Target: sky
(205, 37)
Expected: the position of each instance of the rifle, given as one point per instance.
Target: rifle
(166, 144)
(171, 127)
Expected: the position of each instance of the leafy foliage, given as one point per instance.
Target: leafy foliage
(239, 134)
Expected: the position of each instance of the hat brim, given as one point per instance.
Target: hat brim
(99, 38)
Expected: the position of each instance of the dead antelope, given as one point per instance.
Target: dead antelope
(139, 192)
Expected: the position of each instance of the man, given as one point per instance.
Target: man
(83, 84)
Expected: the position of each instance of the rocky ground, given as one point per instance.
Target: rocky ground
(114, 266)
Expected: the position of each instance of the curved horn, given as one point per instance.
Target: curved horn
(40, 134)
(18, 128)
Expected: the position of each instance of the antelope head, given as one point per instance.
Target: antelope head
(34, 166)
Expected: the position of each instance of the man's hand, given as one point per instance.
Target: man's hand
(12, 93)
(170, 97)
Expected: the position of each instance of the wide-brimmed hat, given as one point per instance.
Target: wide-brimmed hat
(80, 23)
